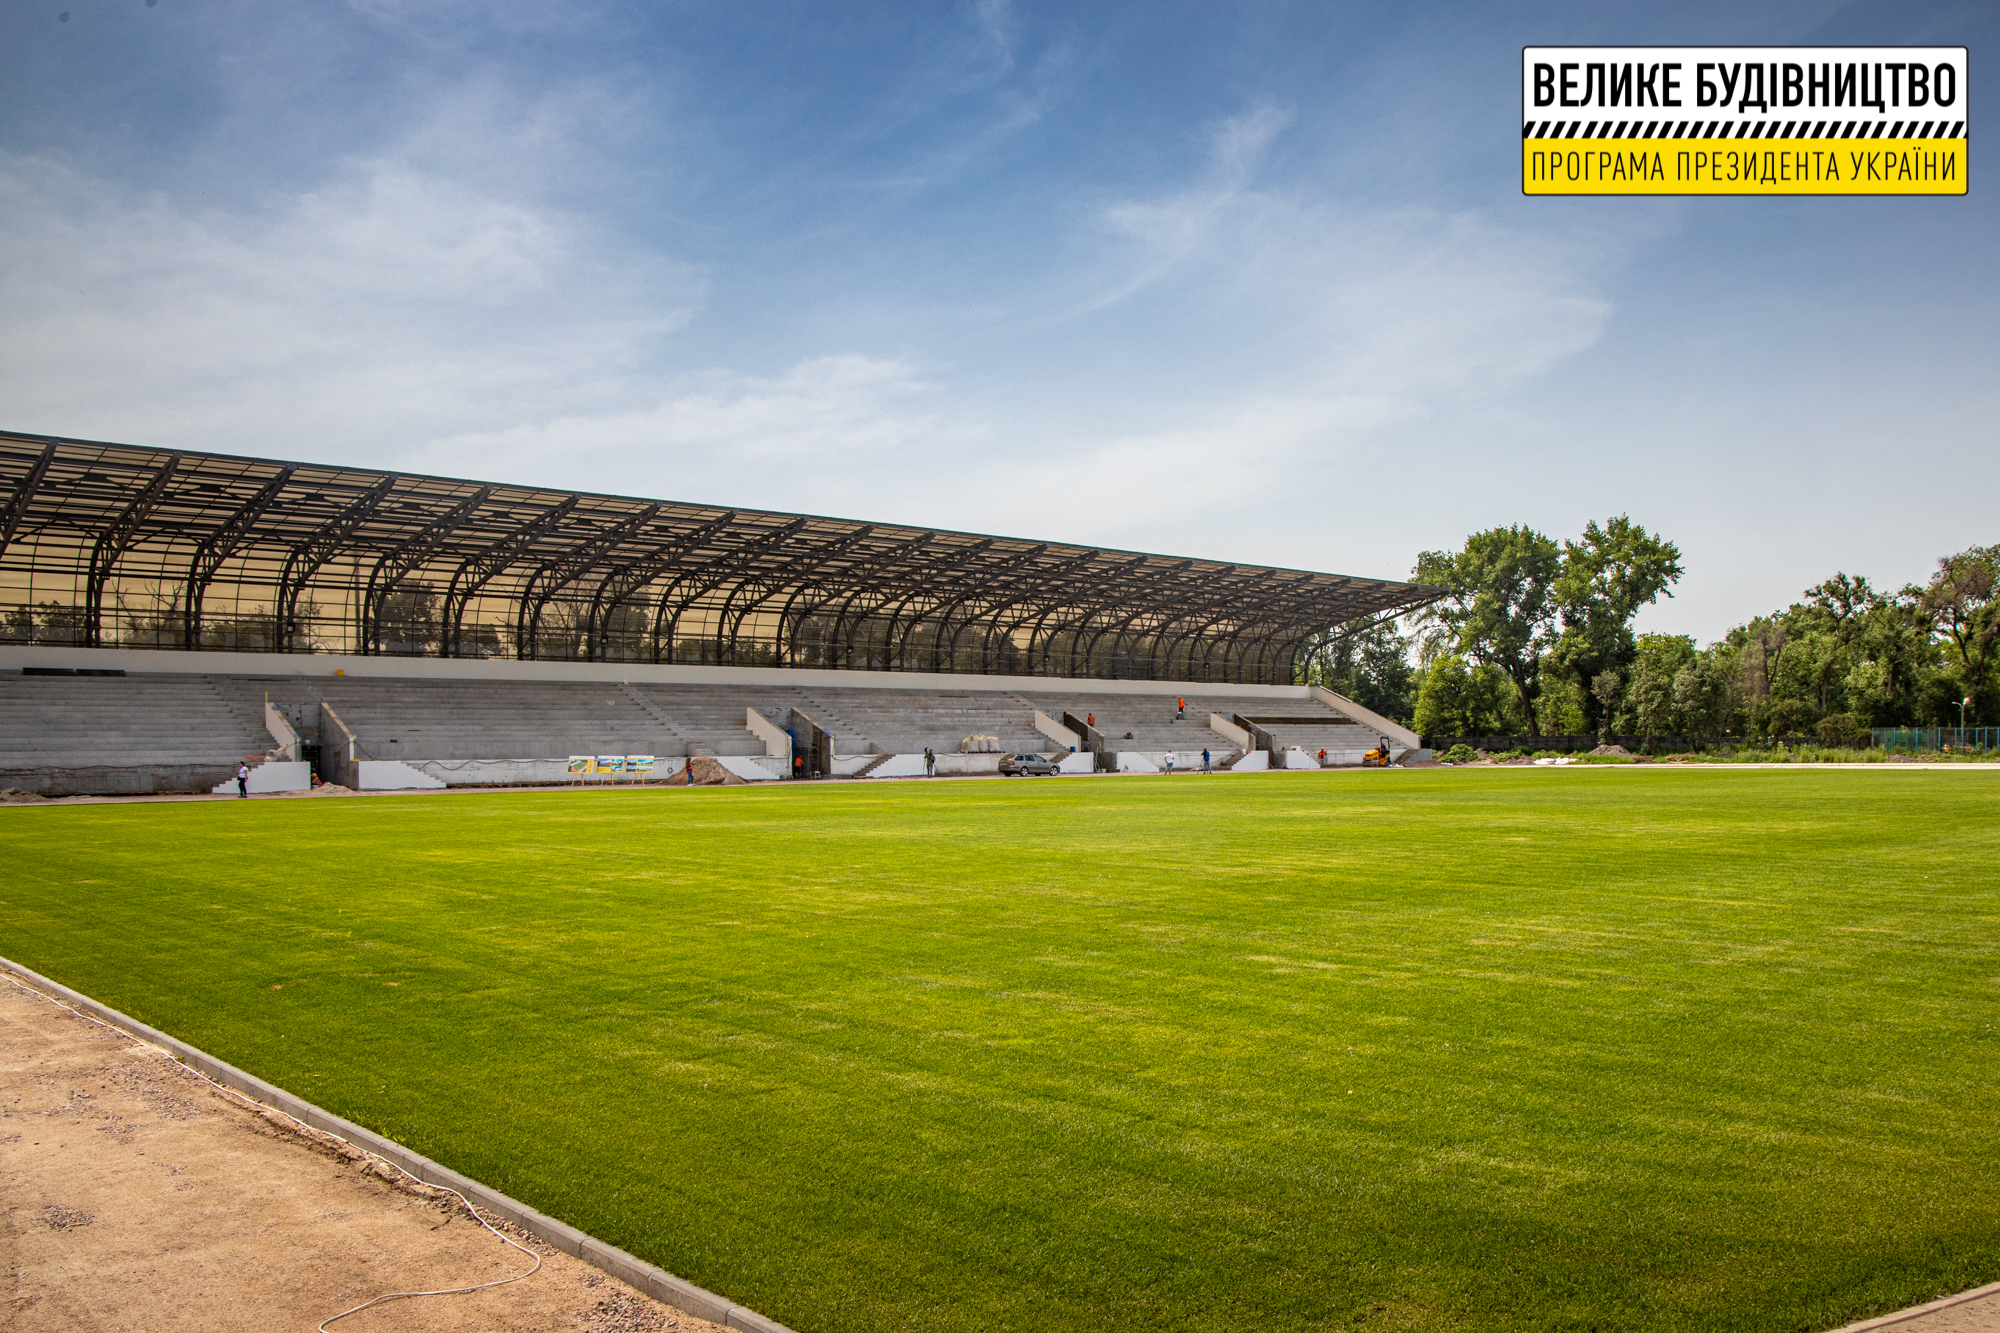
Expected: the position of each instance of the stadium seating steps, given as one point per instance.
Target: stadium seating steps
(162, 719)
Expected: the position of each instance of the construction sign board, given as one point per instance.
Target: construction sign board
(1743, 119)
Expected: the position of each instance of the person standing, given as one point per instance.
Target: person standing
(242, 781)
(1322, 756)
(1204, 760)
(930, 763)
(1180, 708)
(1170, 763)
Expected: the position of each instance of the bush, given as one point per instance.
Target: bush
(1840, 729)
(1460, 753)
(1790, 717)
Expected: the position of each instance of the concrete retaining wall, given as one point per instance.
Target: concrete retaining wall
(513, 772)
(950, 764)
(137, 780)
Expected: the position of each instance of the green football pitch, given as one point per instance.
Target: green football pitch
(1501, 1049)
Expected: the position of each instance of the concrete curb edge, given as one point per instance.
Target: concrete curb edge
(1919, 1311)
(655, 1281)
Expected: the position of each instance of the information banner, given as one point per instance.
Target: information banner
(1743, 119)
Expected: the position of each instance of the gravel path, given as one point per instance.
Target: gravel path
(133, 1195)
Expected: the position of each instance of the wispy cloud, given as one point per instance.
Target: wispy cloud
(1303, 343)
(844, 433)
(1162, 233)
(387, 305)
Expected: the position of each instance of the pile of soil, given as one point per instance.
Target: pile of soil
(15, 796)
(709, 772)
(1617, 751)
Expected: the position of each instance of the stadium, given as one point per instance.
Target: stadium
(644, 932)
(396, 631)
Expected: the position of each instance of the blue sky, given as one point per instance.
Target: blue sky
(1247, 281)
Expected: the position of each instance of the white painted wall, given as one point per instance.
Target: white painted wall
(752, 768)
(1228, 730)
(393, 775)
(281, 731)
(777, 741)
(271, 776)
(901, 766)
(477, 772)
(1065, 739)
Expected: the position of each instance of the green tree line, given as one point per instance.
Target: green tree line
(1533, 636)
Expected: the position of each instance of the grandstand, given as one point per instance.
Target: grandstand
(167, 614)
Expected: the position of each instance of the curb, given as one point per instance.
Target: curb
(655, 1281)
(1919, 1311)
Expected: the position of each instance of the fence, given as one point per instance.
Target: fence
(1566, 744)
(1907, 740)
(1921, 740)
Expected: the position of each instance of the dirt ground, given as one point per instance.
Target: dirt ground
(133, 1195)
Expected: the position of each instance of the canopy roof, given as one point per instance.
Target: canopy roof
(114, 545)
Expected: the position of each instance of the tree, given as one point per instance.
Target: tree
(1607, 577)
(1961, 600)
(1371, 667)
(1608, 687)
(1656, 711)
(1701, 693)
(1461, 699)
(1498, 609)
(1790, 717)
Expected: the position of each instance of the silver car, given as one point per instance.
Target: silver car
(1028, 766)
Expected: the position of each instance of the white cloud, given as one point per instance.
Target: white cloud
(386, 307)
(844, 434)
(1303, 347)
(1278, 349)
(1163, 233)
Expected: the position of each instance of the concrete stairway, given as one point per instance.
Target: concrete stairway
(1150, 720)
(473, 719)
(123, 722)
(194, 719)
(908, 721)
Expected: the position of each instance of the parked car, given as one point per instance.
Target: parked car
(1028, 766)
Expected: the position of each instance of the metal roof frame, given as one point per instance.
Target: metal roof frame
(104, 544)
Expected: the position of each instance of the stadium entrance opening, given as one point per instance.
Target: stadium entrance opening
(812, 748)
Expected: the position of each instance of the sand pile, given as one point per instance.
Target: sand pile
(709, 772)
